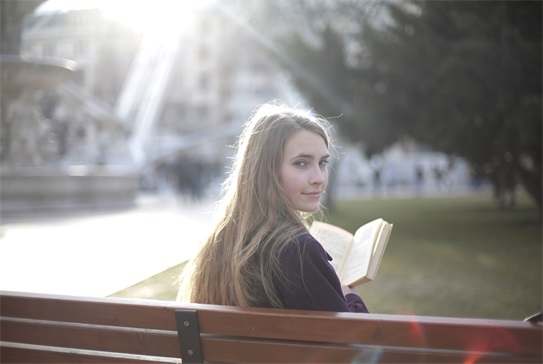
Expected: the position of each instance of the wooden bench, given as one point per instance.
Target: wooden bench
(51, 328)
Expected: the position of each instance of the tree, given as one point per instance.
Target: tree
(465, 78)
(461, 77)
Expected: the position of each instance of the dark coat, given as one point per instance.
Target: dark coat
(312, 283)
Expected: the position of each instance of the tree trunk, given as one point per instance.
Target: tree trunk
(329, 196)
(531, 179)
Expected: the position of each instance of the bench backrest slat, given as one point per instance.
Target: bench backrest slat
(234, 334)
(20, 353)
(244, 348)
(378, 330)
(98, 311)
(400, 330)
(91, 337)
(71, 326)
(233, 350)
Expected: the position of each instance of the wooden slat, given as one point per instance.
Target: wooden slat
(432, 334)
(90, 337)
(250, 351)
(379, 330)
(438, 333)
(17, 353)
(233, 350)
(99, 311)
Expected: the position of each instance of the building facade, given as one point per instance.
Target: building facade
(217, 75)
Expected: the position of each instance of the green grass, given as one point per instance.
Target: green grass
(162, 286)
(456, 257)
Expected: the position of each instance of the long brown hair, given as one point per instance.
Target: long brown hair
(240, 259)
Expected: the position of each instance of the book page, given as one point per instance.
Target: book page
(358, 261)
(335, 240)
(379, 249)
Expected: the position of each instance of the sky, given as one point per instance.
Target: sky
(65, 5)
(140, 14)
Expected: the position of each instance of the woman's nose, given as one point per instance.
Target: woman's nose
(319, 176)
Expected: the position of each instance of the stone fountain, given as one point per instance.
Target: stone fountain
(25, 139)
(36, 171)
(32, 175)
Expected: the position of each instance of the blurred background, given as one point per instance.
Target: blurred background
(120, 117)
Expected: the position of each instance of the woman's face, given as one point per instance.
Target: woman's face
(303, 173)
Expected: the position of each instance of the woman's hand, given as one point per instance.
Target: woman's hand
(346, 290)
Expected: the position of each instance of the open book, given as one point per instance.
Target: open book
(356, 258)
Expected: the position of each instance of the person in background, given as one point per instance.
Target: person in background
(260, 253)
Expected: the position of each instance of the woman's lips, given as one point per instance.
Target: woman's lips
(313, 194)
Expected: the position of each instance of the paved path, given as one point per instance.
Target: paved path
(100, 253)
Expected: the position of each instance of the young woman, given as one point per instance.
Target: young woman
(260, 253)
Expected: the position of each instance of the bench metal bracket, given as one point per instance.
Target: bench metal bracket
(188, 335)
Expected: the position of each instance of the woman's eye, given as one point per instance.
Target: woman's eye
(300, 163)
(323, 163)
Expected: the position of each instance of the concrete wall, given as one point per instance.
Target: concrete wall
(35, 190)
